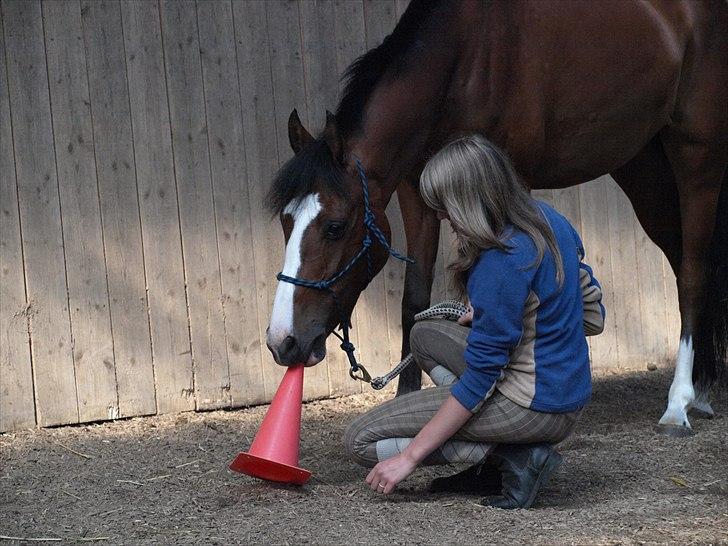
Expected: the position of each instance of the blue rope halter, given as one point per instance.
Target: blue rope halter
(372, 233)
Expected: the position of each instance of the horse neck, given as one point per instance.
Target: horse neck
(402, 122)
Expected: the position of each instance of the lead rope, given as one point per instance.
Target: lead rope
(450, 310)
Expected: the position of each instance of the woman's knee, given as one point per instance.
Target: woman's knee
(356, 445)
(419, 335)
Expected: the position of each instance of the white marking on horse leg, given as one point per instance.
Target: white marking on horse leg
(304, 211)
(682, 393)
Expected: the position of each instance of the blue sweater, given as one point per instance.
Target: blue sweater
(528, 334)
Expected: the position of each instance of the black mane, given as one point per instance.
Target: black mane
(297, 177)
(364, 73)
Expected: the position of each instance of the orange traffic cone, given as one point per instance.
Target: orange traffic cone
(273, 454)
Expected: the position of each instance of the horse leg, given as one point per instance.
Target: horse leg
(422, 231)
(649, 182)
(698, 166)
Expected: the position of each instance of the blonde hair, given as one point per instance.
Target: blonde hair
(475, 183)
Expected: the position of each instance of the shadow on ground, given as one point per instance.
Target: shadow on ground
(165, 479)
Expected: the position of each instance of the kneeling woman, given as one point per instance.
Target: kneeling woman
(513, 384)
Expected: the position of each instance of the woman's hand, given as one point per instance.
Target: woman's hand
(384, 477)
(467, 318)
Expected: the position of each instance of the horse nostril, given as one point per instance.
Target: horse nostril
(288, 344)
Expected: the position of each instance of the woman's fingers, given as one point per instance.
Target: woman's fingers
(377, 482)
(374, 478)
(467, 318)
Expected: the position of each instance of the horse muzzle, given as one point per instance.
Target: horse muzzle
(295, 350)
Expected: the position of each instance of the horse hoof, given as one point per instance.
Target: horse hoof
(675, 431)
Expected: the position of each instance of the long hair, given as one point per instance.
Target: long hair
(475, 183)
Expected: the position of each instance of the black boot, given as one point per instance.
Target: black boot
(482, 478)
(525, 468)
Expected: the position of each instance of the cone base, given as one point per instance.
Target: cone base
(269, 470)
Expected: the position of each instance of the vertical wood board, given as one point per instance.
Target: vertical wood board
(17, 405)
(168, 310)
(116, 176)
(40, 214)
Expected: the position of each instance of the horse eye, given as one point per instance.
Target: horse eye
(335, 230)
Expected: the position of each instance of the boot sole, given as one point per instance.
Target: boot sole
(552, 463)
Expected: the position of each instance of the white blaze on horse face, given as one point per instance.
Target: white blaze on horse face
(304, 211)
(682, 393)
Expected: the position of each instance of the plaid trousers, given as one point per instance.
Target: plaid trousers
(438, 347)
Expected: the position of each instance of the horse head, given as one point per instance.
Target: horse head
(330, 254)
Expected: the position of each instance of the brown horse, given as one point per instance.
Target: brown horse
(572, 90)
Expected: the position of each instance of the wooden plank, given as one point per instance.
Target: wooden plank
(595, 235)
(196, 204)
(114, 150)
(261, 152)
(672, 310)
(380, 16)
(226, 143)
(627, 308)
(651, 282)
(93, 351)
(17, 404)
(393, 274)
(158, 203)
(567, 202)
(321, 86)
(547, 196)
(321, 74)
(40, 214)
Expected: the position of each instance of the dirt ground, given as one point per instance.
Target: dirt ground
(165, 480)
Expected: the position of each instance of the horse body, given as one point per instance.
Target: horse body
(572, 91)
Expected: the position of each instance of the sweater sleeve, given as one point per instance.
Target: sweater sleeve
(591, 293)
(498, 287)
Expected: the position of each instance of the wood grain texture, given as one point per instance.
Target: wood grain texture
(116, 175)
(628, 312)
(226, 142)
(672, 310)
(93, 347)
(17, 405)
(595, 235)
(255, 83)
(40, 214)
(196, 204)
(653, 304)
(168, 311)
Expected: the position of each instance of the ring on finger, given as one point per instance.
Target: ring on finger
(381, 485)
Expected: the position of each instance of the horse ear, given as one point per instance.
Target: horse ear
(298, 136)
(333, 138)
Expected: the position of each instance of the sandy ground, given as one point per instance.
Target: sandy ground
(165, 480)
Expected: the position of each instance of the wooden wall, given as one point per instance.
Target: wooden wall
(137, 140)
